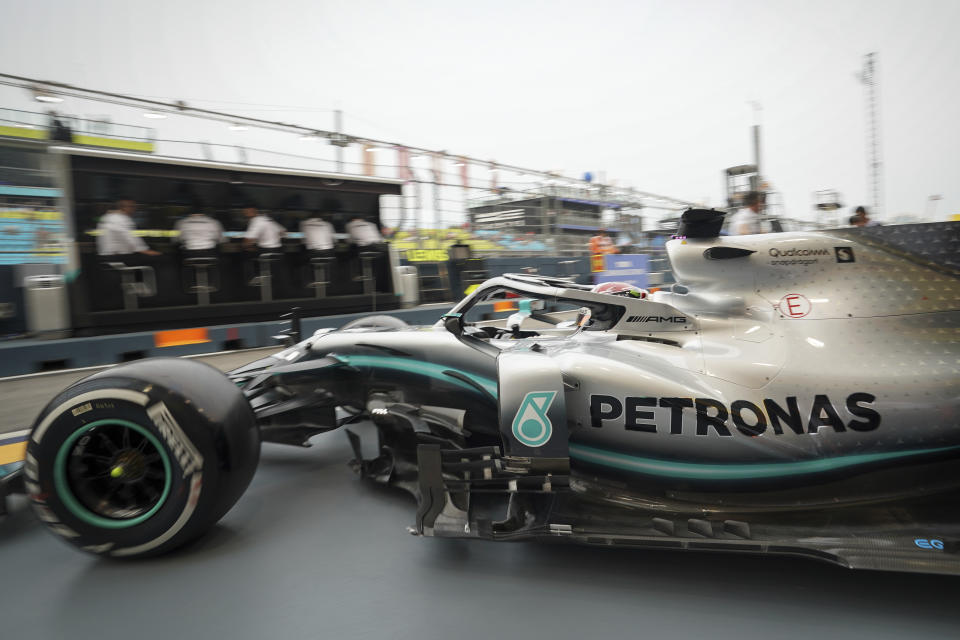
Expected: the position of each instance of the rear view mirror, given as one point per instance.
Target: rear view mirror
(583, 317)
(515, 321)
(453, 322)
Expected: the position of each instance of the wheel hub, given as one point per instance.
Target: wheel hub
(117, 470)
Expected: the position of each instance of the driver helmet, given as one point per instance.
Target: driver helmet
(620, 289)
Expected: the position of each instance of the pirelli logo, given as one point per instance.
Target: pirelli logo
(183, 450)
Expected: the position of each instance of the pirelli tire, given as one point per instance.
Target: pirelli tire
(142, 458)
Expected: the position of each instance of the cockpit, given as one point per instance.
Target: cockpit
(515, 307)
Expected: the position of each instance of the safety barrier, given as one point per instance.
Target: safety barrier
(30, 356)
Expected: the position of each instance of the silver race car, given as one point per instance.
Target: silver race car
(797, 393)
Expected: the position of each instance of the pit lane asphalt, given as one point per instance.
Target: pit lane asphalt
(311, 551)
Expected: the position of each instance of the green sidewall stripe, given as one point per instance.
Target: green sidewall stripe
(73, 505)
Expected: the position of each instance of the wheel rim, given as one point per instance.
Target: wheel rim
(112, 474)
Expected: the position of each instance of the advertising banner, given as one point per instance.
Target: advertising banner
(596, 263)
(369, 158)
(31, 236)
(403, 164)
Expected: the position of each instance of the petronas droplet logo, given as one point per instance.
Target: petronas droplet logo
(531, 426)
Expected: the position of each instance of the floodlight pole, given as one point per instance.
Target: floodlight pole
(869, 78)
(756, 142)
(338, 128)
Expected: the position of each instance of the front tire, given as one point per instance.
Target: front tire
(142, 458)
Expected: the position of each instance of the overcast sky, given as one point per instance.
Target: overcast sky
(651, 94)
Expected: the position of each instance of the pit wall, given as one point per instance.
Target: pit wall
(18, 357)
(25, 356)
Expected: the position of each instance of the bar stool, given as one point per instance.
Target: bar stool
(135, 282)
(368, 278)
(321, 275)
(202, 288)
(265, 278)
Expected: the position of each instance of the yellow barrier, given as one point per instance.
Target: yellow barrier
(27, 214)
(426, 255)
(143, 233)
(13, 452)
(113, 143)
(432, 239)
(24, 132)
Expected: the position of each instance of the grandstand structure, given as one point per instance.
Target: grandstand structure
(557, 219)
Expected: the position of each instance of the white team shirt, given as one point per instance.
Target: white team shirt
(746, 221)
(363, 233)
(317, 234)
(199, 232)
(116, 235)
(264, 232)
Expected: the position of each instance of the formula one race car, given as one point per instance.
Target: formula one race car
(798, 393)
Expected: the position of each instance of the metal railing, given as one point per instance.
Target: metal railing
(23, 119)
(108, 129)
(431, 198)
(76, 125)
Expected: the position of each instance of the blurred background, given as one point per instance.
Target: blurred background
(516, 130)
